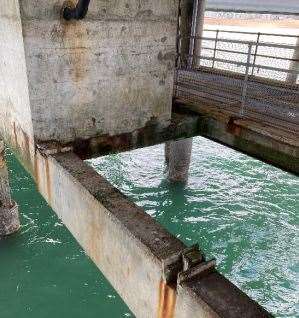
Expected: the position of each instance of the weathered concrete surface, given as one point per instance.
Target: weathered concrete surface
(130, 247)
(9, 216)
(123, 241)
(15, 113)
(110, 73)
(214, 296)
(186, 12)
(182, 125)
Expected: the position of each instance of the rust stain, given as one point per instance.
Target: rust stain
(15, 134)
(232, 127)
(36, 172)
(26, 147)
(74, 37)
(49, 192)
(167, 300)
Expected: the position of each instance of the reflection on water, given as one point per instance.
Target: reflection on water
(239, 210)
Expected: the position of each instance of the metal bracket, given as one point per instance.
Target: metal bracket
(200, 269)
(185, 265)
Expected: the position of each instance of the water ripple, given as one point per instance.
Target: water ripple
(241, 211)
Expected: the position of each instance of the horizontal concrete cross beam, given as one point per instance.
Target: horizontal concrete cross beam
(131, 248)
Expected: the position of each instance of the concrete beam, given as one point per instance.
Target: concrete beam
(250, 137)
(136, 254)
(191, 120)
(182, 125)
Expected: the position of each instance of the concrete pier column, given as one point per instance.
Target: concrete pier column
(178, 153)
(178, 157)
(186, 11)
(197, 28)
(9, 216)
(294, 65)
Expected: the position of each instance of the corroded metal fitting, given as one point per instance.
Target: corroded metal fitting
(200, 270)
(185, 265)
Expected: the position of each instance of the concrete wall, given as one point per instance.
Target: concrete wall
(15, 114)
(107, 74)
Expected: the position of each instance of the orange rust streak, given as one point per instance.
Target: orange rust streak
(48, 181)
(36, 171)
(167, 300)
(15, 134)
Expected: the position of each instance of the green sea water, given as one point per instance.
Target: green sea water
(241, 211)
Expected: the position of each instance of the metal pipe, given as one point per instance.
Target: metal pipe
(270, 68)
(261, 44)
(77, 13)
(253, 33)
(245, 83)
(255, 52)
(245, 53)
(215, 48)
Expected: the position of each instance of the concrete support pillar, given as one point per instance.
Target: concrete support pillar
(178, 153)
(9, 216)
(197, 28)
(186, 11)
(294, 65)
(177, 158)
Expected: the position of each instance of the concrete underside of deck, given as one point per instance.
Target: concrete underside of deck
(268, 143)
(256, 139)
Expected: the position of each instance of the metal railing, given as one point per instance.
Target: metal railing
(261, 54)
(199, 79)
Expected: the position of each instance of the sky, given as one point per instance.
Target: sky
(271, 6)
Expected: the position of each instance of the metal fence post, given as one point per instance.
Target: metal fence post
(245, 85)
(255, 52)
(294, 65)
(215, 48)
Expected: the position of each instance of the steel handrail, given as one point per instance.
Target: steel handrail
(264, 44)
(257, 55)
(253, 33)
(271, 68)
